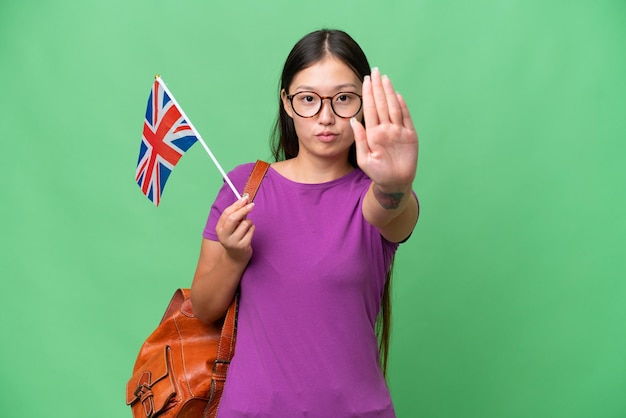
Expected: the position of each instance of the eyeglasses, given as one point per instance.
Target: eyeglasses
(307, 104)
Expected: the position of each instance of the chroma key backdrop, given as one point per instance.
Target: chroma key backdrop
(509, 300)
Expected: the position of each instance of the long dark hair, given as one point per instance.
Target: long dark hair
(284, 142)
(313, 48)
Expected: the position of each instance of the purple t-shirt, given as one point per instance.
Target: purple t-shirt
(306, 344)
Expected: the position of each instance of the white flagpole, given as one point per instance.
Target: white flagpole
(206, 148)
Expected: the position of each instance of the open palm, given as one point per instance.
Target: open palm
(386, 148)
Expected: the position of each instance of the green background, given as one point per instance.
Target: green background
(509, 299)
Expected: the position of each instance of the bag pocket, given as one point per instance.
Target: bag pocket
(152, 388)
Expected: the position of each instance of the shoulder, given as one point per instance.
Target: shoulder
(239, 174)
(361, 181)
(360, 176)
(242, 169)
(225, 197)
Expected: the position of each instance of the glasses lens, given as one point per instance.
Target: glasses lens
(346, 105)
(306, 103)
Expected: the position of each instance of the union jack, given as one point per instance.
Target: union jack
(166, 137)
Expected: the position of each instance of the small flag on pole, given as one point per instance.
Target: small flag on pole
(167, 135)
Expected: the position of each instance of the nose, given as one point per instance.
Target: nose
(326, 115)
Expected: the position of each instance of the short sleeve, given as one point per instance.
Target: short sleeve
(225, 198)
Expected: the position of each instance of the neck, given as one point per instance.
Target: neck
(304, 170)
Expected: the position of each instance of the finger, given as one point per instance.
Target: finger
(232, 217)
(360, 139)
(240, 215)
(233, 208)
(380, 99)
(241, 244)
(369, 106)
(246, 239)
(395, 111)
(407, 121)
(241, 231)
(233, 230)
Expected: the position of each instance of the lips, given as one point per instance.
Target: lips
(326, 136)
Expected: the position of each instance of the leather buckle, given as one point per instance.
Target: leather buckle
(220, 367)
(141, 391)
(144, 394)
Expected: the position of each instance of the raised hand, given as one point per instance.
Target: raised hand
(386, 148)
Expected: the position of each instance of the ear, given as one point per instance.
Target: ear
(286, 104)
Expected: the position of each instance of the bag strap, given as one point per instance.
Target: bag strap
(255, 179)
(226, 346)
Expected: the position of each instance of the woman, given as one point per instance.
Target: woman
(312, 254)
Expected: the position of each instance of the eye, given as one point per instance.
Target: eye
(306, 98)
(344, 98)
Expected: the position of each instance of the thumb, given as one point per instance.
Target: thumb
(360, 139)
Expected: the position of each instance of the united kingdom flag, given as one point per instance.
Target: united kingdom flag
(166, 137)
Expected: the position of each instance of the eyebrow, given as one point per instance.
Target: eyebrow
(339, 87)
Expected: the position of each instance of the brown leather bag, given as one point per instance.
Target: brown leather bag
(181, 368)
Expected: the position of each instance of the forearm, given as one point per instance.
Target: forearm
(214, 287)
(393, 211)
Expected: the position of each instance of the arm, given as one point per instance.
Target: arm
(387, 153)
(393, 213)
(221, 263)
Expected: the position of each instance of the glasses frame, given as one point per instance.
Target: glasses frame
(322, 98)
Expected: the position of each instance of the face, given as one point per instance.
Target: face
(325, 134)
